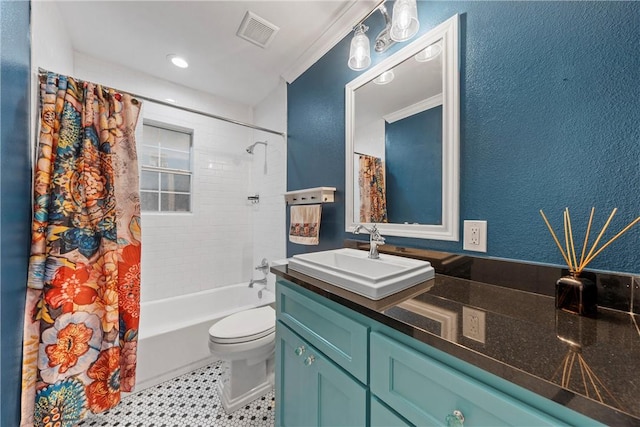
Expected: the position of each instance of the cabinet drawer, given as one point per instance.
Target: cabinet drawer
(425, 391)
(381, 416)
(341, 338)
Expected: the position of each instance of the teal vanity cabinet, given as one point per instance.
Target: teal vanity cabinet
(312, 389)
(321, 364)
(338, 367)
(426, 392)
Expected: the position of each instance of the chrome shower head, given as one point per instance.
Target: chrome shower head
(252, 146)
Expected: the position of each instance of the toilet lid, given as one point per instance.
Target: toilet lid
(244, 326)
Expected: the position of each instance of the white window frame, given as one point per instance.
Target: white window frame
(160, 169)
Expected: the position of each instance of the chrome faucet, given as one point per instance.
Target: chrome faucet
(259, 281)
(375, 239)
(264, 268)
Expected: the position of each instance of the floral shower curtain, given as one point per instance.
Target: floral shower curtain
(83, 290)
(373, 200)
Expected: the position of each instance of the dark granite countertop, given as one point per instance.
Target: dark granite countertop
(527, 341)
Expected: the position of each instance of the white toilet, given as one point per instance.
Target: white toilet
(245, 342)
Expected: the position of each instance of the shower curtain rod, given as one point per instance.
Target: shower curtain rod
(42, 72)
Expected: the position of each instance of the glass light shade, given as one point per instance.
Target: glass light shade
(404, 21)
(429, 53)
(360, 51)
(384, 78)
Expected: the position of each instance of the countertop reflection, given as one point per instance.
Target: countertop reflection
(589, 365)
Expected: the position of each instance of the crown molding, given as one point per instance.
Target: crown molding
(353, 12)
(416, 108)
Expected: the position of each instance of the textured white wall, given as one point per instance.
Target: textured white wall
(50, 44)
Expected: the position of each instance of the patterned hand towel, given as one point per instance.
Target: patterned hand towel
(305, 224)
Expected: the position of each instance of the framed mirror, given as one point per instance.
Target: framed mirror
(402, 129)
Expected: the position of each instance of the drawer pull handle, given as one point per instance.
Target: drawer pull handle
(309, 360)
(455, 419)
(299, 350)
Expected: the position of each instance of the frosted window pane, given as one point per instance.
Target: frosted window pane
(175, 182)
(149, 201)
(175, 140)
(149, 180)
(150, 135)
(149, 156)
(175, 202)
(175, 160)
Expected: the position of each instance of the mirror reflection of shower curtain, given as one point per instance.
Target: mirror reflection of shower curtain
(373, 200)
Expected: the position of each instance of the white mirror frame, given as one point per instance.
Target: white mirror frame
(449, 229)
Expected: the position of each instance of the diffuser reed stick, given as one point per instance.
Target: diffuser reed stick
(586, 237)
(606, 224)
(555, 238)
(570, 256)
(624, 230)
(573, 248)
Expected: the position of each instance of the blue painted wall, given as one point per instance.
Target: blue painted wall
(15, 210)
(414, 189)
(550, 117)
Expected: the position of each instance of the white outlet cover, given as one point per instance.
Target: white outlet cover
(467, 244)
(473, 324)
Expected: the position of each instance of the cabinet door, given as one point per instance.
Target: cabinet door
(427, 392)
(311, 390)
(381, 416)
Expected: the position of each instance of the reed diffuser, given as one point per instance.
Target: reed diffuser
(574, 293)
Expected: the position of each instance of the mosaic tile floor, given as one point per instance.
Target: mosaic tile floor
(190, 400)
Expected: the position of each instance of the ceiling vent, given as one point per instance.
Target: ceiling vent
(257, 30)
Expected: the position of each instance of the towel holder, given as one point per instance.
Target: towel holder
(308, 196)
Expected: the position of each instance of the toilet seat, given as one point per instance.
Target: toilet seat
(244, 326)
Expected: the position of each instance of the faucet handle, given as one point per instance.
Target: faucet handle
(375, 235)
(264, 265)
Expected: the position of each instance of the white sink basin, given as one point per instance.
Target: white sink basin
(353, 270)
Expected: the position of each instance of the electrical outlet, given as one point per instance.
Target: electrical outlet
(475, 236)
(473, 324)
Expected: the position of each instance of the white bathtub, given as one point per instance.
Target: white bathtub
(173, 335)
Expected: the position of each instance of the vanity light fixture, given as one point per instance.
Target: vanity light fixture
(404, 23)
(360, 51)
(401, 27)
(430, 52)
(384, 78)
(177, 61)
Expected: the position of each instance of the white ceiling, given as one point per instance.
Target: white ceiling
(140, 34)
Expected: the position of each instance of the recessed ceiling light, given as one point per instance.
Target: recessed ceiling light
(384, 78)
(178, 61)
(431, 52)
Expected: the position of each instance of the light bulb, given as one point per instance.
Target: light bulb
(360, 50)
(404, 21)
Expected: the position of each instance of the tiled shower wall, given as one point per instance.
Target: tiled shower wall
(269, 180)
(212, 245)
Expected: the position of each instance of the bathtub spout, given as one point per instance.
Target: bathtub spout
(254, 281)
